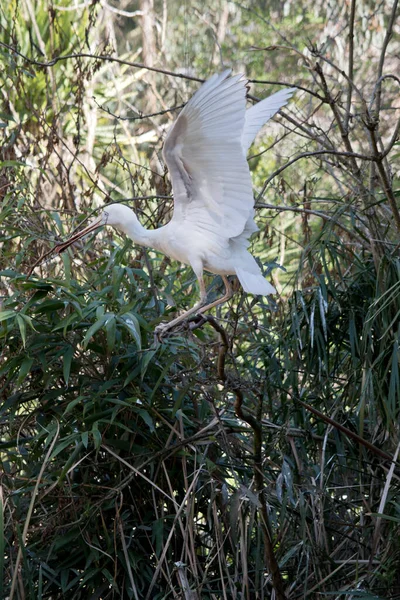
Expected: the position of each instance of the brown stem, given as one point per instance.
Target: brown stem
(350, 154)
(383, 176)
(345, 136)
(389, 33)
(106, 58)
(346, 431)
(255, 424)
(351, 64)
(270, 558)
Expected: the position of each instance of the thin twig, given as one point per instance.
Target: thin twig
(30, 510)
(351, 155)
(104, 57)
(348, 432)
(378, 83)
(384, 177)
(289, 84)
(256, 426)
(351, 64)
(388, 35)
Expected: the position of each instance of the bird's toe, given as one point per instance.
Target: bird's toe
(160, 331)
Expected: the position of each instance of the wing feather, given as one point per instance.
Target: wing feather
(205, 151)
(210, 175)
(260, 113)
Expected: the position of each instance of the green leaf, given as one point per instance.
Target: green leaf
(147, 418)
(13, 163)
(85, 438)
(131, 323)
(7, 314)
(67, 361)
(6, 116)
(111, 328)
(70, 440)
(93, 329)
(22, 329)
(96, 436)
(24, 369)
(67, 268)
(146, 359)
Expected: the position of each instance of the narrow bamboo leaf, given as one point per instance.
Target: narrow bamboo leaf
(323, 307)
(12, 163)
(22, 329)
(97, 439)
(7, 314)
(70, 440)
(67, 362)
(288, 478)
(147, 418)
(24, 369)
(111, 328)
(146, 359)
(67, 268)
(131, 323)
(157, 535)
(93, 329)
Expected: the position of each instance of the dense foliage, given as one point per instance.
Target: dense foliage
(251, 456)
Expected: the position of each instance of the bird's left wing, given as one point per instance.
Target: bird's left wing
(203, 151)
(260, 113)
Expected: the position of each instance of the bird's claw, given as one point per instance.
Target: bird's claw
(191, 323)
(197, 321)
(159, 332)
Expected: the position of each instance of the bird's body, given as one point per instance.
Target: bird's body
(212, 252)
(205, 151)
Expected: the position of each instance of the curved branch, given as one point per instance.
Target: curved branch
(389, 33)
(289, 84)
(316, 153)
(393, 139)
(104, 57)
(378, 86)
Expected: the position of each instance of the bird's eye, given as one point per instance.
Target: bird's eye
(106, 214)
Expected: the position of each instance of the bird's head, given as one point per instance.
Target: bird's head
(116, 215)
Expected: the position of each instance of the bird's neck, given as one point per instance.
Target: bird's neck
(139, 234)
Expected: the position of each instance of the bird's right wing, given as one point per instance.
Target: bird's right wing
(260, 113)
(203, 151)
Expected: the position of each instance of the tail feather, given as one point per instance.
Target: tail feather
(254, 283)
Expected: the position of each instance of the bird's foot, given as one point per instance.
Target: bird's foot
(163, 329)
(160, 331)
(193, 322)
(197, 321)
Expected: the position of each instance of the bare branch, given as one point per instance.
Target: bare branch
(378, 86)
(351, 64)
(389, 33)
(106, 58)
(289, 84)
(316, 153)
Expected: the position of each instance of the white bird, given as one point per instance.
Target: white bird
(205, 151)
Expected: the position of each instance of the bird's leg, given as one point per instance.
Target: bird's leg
(203, 293)
(199, 307)
(228, 294)
(163, 327)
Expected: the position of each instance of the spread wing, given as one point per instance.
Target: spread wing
(203, 151)
(260, 113)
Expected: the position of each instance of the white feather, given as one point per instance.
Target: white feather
(205, 151)
(254, 283)
(260, 113)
